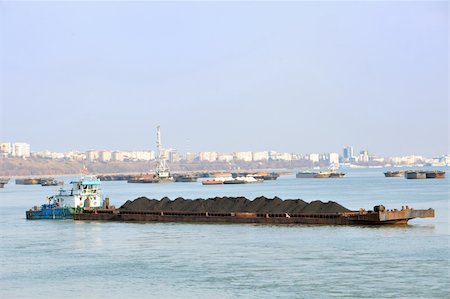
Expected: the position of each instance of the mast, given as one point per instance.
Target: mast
(162, 170)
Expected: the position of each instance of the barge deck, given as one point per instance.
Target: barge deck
(129, 213)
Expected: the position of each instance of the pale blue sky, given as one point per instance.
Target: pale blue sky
(291, 76)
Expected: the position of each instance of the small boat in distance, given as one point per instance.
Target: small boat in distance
(306, 175)
(415, 174)
(144, 179)
(3, 182)
(423, 174)
(437, 174)
(394, 174)
(266, 176)
(185, 178)
(50, 182)
(319, 175)
(212, 182)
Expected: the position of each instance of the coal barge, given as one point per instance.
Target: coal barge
(242, 210)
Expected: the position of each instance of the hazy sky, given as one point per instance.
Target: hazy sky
(291, 76)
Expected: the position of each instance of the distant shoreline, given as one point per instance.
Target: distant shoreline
(46, 167)
(15, 167)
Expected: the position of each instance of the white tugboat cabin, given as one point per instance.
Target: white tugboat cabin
(84, 194)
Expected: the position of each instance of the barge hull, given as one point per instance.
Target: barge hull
(348, 218)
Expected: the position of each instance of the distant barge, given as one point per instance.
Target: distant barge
(242, 210)
(417, 174)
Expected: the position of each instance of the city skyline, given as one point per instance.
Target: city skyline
(295, 76)
(346, 154)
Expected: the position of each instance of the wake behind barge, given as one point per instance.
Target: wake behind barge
(189, 211)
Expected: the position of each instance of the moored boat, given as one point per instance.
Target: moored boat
(306, 175)
(28, 181)
(185, 178)
(397, 173)
(234, 182)
(266, 176)
(50, 182)
(335, 174)
(415, 174)
(437, 174)
(322, 175)
(212, 182)
(319, 175)
(144, 179)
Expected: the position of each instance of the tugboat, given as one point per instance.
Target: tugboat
(83, 195)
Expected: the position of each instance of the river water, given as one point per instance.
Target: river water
(51, 259)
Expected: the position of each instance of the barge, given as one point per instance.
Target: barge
(241, 210)
(394, 174)
(419, 174)
(319, 175)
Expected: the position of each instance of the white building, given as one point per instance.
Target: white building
(333, 158)
(363, 156)
(117, 156)
(225, 157)
(140, 155)
(260, 156)
(5, 149)
(173, 156)
(273, 155)
(104, 156)
(49, 155)
(74, 155)
(243, 156)
(208, 156)
(92, 155)
(314, 158)
(21, 150)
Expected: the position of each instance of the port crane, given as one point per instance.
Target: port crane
(162, 169)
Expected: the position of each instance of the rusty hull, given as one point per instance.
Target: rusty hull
(349, 218)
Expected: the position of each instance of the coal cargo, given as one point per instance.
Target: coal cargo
(242, 210)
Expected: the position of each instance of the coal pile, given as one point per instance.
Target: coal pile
(260, 204)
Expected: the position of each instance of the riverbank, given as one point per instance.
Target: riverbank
(43, 167)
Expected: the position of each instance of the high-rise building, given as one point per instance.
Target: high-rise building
(314, 158)
(348, 153)
(363, 156)
(104, 156)
(223, 157)
(208, 156)
(92, 155)
(260, 156)
(21, 150)
(244, 156)
(5, 149)
(117, 156)
(173, 156)
(333, 158)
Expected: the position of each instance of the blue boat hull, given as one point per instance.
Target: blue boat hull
(50, 213)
